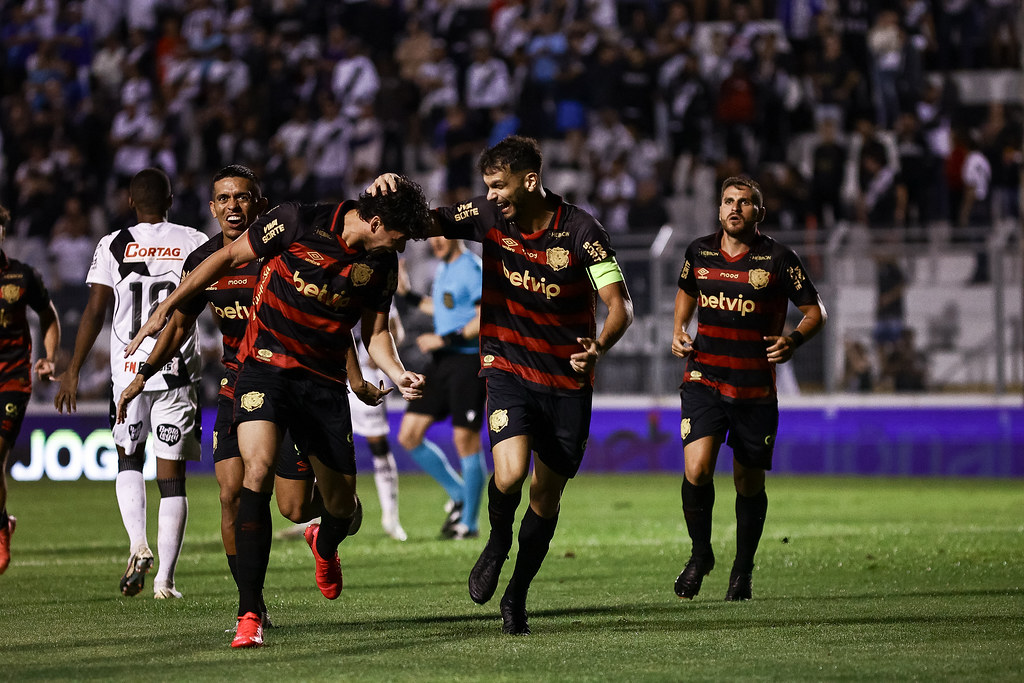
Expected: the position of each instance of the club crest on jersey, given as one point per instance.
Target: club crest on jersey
(252, 401)
(137, 253)
(10, 293)
(361, 274)
(558, 258)
(684, 427)
(758, 278)
(498, 420)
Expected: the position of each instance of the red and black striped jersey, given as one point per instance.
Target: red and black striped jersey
(537, 295)
(312, 290)
(740, 300)
(21, 286)
(230, 299)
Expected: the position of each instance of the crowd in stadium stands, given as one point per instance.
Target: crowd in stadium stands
(843, 109)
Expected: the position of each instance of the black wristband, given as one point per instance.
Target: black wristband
(412, 298)
(146, 370)
(797, 337)
(453, 338)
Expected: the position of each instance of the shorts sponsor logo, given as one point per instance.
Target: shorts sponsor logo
(169, 434)
(722, 302)
(265, 354)
(252, 401)
(272, 230)
(498, 420)
(759, 278)
(558, 258)
(361, 274)
(684, 427)
(134, 430)
(10, 293)
(530, 283)
(11, 409)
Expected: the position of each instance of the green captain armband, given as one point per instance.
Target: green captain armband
(605, 273)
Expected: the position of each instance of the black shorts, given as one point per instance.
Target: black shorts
(316, 414)
(291, 464)
(751, 426)
(558, 426)
(14, 403)
(453, 388)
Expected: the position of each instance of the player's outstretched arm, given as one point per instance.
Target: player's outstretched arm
(88, 329)
(682, 343)
(212, 268)
(620, 316)
(49, 323)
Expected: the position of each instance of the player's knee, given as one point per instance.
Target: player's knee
(409, 439)
(292, 511)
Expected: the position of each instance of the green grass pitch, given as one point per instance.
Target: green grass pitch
(856, 579)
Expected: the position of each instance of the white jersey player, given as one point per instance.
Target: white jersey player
(137, 268)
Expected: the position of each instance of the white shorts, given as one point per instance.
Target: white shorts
(172, 415)
(368, 421)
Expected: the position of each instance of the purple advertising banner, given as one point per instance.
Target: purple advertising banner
(973, 441)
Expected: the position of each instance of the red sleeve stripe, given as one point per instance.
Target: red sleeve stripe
(729, 333)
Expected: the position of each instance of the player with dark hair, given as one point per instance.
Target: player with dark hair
(135, 268)
(545, 262)
(21, 287)
(739, 282)
(327, 268)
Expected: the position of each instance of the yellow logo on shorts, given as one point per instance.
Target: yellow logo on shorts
(215, 441)
(265, 354)
(488, 359)
(252, 401)
(684, 427)
(11, 408)
(695, 376)
(360, 274)
(224, 381)
(350, 439)
(498, 420)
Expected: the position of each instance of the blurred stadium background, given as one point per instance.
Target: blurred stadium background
(886, 134)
